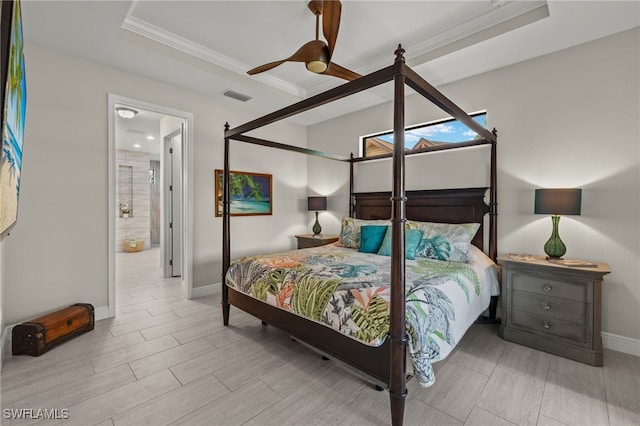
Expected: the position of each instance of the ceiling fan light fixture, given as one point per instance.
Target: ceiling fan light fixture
(317, 54)
(125, 112)
(317, 66)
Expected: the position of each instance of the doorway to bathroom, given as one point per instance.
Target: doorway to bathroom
(149, 196)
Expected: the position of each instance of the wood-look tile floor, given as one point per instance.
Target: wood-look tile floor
(166, 360)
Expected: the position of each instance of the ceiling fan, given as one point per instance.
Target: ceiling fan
(316, 54)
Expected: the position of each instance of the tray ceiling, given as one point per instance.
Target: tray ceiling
(207, 46)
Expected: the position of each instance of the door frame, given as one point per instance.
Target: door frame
(187, 191)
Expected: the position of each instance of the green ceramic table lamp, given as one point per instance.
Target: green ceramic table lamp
(556, 202)
(316, 204)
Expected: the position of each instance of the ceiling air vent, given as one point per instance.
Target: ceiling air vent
(136, 131)
(236, 95)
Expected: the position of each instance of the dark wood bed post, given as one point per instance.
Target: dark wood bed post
(493, 221)
(398, 336)
(493, 202)
(226, 225)
(352, 206)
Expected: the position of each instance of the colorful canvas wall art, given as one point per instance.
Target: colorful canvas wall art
(250, 193)
(14, 102)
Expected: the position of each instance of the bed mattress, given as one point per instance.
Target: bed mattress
(348, 291)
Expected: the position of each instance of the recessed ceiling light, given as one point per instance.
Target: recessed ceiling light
(136, 145)
(150, 137)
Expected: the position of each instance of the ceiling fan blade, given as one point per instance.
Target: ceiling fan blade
(265, 67)
(341, 72)
(309, 51)
(331, 11)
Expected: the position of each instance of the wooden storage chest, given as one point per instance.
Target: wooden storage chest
(39, 335)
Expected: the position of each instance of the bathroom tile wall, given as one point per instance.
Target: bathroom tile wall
(137, 225)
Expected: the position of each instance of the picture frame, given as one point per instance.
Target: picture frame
(251, 193)
(14, 102)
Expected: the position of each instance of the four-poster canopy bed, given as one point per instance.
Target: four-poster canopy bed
(385, 364)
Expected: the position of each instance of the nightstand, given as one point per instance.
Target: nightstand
(553, 308)
(308, 240)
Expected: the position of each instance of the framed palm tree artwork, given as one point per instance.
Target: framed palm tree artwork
(249, 193)
(14, 104)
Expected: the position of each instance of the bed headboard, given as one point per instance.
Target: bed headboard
(465, 205)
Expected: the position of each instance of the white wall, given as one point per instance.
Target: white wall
(57, 253)
(569, 119)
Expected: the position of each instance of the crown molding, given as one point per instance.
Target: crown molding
(506, 16)
(157, 34)
(477, 29)
(491, 18)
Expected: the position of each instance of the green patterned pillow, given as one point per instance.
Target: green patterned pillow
(350, 233)
(445, 241)
(371, 237)
(412, 238)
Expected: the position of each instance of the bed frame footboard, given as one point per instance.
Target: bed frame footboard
(372, 361)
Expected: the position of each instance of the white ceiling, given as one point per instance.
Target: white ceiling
(140, 133)
(207, 46)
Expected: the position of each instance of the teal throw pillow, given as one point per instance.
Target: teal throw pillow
(350, 232)
(371, 237)
(412, 239)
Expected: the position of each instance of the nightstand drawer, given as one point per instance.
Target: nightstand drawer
(541, 325)
(308, 240)
(552, 307)
(307, 243)
(550, 285)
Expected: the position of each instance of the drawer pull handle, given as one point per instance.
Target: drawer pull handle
(547, 287)
(546, 324)
(546, 306)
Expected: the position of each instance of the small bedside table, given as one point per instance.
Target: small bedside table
(553, 308)
(308, 240)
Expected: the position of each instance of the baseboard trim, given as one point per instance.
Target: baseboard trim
(101, 312)
(621, 344)
(206, 290)
(4, 343)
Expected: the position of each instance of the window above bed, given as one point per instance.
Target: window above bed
(423, 136)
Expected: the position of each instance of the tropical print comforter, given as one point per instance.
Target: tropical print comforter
(349, 292)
